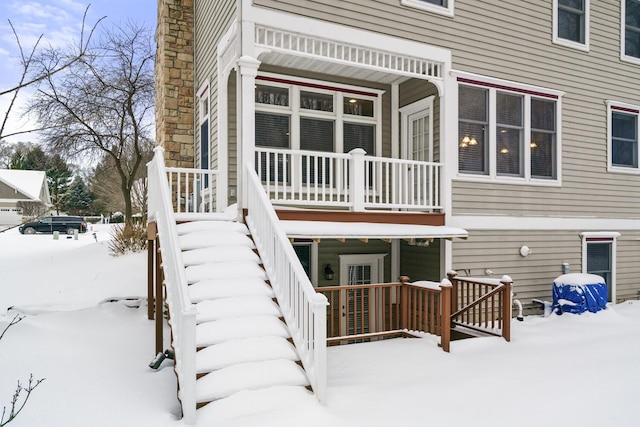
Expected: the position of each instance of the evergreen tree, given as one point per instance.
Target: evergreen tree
(79, 200)
(59, 179)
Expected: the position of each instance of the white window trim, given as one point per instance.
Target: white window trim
(429, 7)
(295, 111)
(569, 43)
(425, 104)
(494, 84)
(377, 260)
(607, 237)
(623, 108)
(623, 29)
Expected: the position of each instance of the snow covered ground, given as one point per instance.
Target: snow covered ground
(562, 370)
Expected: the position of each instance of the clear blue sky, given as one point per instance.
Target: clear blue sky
(59, 21)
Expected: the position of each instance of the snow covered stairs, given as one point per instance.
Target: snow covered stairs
(243, 342)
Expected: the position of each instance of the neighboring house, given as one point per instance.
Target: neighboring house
(21, 186)
(515, 123)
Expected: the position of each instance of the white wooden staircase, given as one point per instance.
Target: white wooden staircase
(242, 340)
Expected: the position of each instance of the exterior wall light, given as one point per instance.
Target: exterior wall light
(328, 272)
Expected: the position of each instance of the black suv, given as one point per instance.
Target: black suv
(49, 224)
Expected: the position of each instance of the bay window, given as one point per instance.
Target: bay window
(507, 132)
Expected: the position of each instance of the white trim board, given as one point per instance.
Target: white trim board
(471, 222)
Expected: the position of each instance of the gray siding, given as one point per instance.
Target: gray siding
(329, 252)
(421, 263)
(512, 40)
(533, 275)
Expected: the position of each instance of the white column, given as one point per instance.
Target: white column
(248, 70)
(448, 154)
(356, 179)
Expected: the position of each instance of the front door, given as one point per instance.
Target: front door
(417, 121)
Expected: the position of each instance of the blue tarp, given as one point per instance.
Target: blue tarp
(577, 293)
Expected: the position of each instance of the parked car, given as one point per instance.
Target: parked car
(49, 224)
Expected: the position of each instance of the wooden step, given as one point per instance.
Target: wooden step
(196, 226)
(211, 310)
(219, 254)
(249, 376)
(227, 329)
(226, 288)
(207, 239)
(233, 352)
(234, 270)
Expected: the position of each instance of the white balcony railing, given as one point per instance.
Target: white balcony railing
(182, 311)
(304, 310)
(352, 181)
(192, 190)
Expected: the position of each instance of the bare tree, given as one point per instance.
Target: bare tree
(17, 401)
(103, 105)
(32, 210)
(41, 63)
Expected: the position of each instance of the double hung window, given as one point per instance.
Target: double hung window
(630, 30)
(313, 116)
(507, 132)
(571, 23)
(623, 137)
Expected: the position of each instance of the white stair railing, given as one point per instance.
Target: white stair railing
(181, 311)
(193, 190)
(303, 309)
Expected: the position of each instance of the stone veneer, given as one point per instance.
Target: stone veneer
(174, 81)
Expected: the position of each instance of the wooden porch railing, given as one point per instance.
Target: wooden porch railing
(360, 312)
(482, 304)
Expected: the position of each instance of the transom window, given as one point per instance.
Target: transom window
(631, 30)
(443, 7)
(571, 23)
(308, 115)
(507, 132)
(623, 137)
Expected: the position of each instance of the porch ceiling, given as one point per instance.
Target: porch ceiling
(365, 230)
(317, 65)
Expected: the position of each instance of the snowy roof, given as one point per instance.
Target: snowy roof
(361, 230)
(27, 182)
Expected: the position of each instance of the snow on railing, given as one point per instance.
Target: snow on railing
(192, 190)
(352, 180)
(303, 309)
(182, 312)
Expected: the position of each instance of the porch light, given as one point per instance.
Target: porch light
(328, 272)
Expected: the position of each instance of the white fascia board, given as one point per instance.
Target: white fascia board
(471, 222)
(302, 25)
(508, 83)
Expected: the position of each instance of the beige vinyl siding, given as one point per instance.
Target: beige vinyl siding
(421, 263)
(499, 251)
(8, 192)
(511, 40)
(329, 252)
(212, 19)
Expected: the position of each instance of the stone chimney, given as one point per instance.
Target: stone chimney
(174, 81)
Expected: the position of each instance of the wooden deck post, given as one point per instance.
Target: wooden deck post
(506, 307)
(404, 302)
(445, 320)
(159, 300)
(151, 239)
(454, 290)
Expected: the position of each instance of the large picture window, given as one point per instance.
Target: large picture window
(571, 23)
(507, 132)
(630, 27)
(623, 137)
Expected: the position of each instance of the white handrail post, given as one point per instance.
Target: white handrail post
(356, 179)
(188, 385)
(320, 345)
